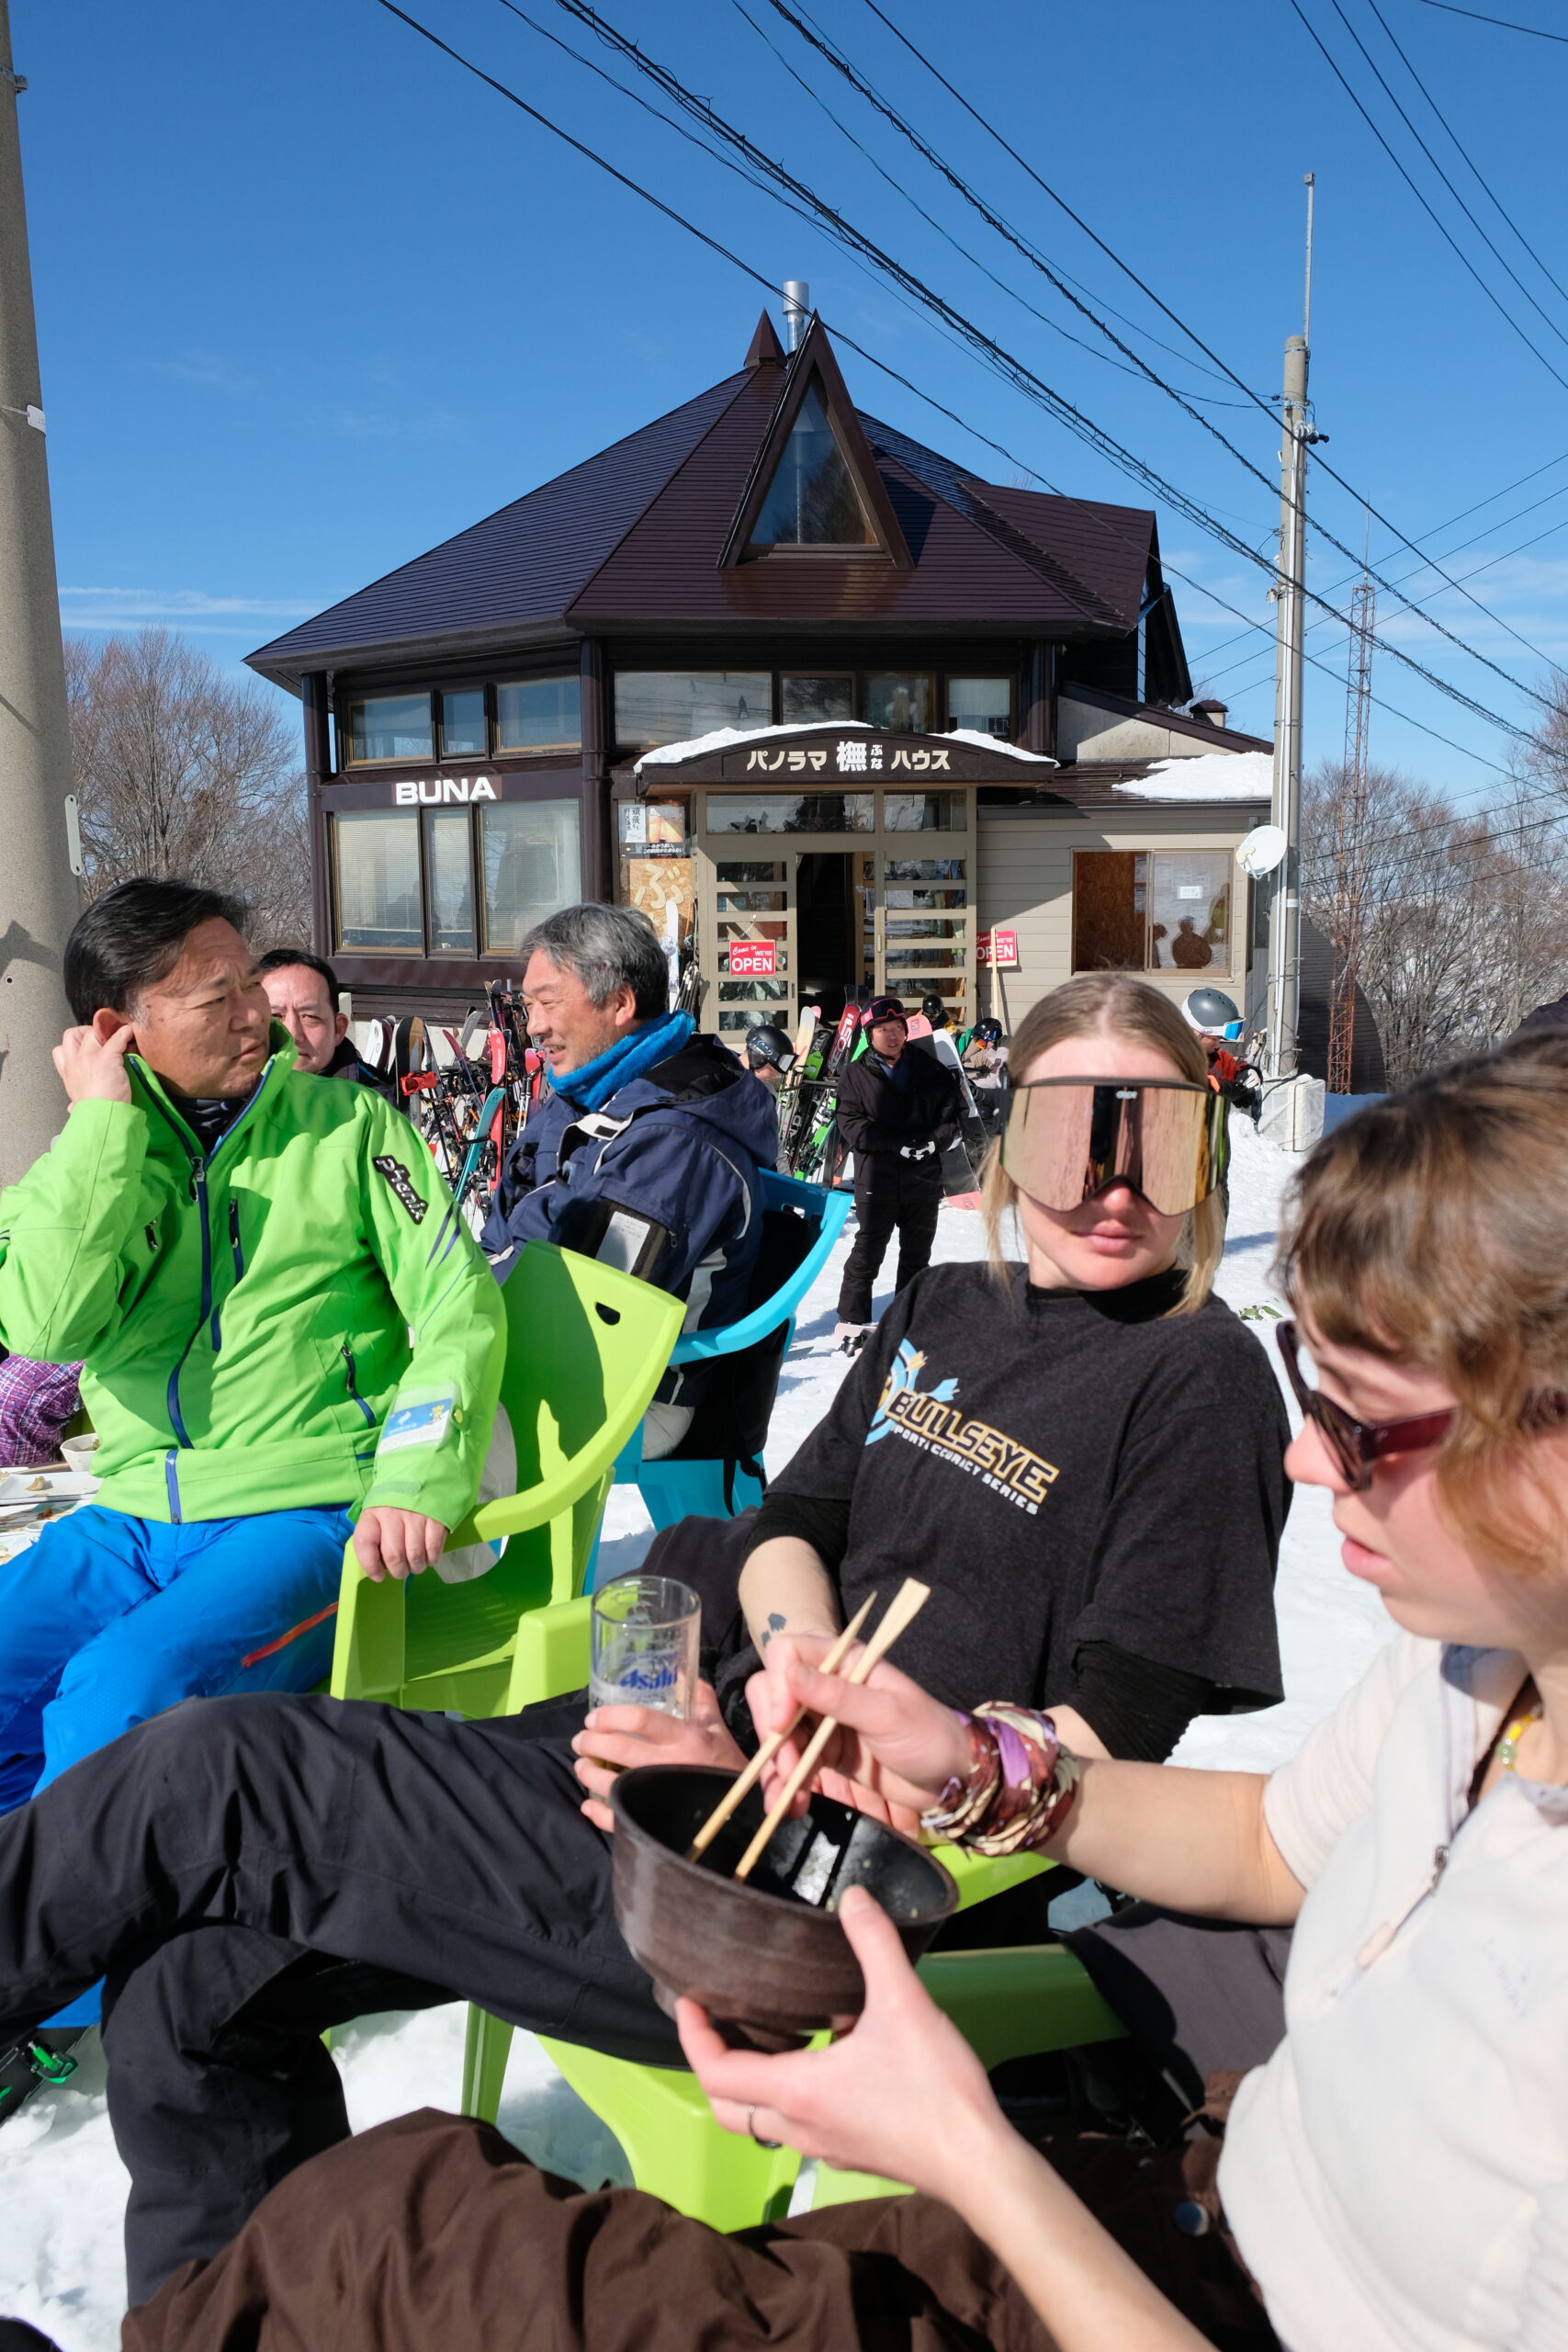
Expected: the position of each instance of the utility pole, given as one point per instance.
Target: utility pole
(41, 900)
(1285, 913)
(1349, 886)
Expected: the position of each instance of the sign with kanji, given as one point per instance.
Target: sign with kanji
(752, 959)
(998, 947)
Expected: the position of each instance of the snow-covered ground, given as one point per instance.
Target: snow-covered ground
(62, 2185)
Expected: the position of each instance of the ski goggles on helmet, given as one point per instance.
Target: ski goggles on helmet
(1069, 1138)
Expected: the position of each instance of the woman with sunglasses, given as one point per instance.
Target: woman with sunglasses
(1037, 1439)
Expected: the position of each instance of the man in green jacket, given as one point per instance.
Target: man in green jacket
(283, 1337)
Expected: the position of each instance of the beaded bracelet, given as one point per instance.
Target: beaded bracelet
(1020, 1786)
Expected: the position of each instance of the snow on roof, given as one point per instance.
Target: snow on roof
(725, 738)
(1209, 776)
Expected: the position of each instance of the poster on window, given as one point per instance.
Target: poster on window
(1188, 910)
(653, 829)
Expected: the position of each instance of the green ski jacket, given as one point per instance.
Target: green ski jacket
(244, 1315)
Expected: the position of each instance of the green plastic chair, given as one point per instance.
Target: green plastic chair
(1008, 2004)
(586, 1347)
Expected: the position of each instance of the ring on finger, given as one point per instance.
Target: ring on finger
(751, 2128)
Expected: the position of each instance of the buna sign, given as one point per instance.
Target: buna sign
(442, 790)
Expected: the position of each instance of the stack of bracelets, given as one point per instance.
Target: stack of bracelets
(1020, 1786)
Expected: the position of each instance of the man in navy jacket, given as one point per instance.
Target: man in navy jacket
(647, 1153)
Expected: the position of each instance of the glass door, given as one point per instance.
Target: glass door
(753, 936)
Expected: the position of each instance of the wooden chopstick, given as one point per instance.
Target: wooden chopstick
(905, 1604)
(748, 1779)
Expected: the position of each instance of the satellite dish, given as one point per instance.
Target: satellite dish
(1262, 850)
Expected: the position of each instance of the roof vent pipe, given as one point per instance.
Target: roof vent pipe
(796, 311)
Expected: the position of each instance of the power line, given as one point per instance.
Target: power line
(1448, 183)
(1449, 9)
(1463, 152)
(881, 366)
(836, 58)
(1437, 223)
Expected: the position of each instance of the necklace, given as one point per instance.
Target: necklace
(1506, 1751)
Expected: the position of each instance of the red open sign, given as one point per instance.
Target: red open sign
(998, 947)
(752, 959)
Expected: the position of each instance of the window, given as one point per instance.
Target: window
(982, 705)
(803, 698)
(392, 727)
(531, 866)
(375, 859)
(539, 715)
(925, 812)
(449, 882)
(900, 700)
(463, 732)
(812, 500)
(793, 812)
(1137, 910)
(675, 705)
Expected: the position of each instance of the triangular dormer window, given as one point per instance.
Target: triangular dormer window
(812, 500)
(815, 487)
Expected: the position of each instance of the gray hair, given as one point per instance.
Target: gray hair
(606, 949)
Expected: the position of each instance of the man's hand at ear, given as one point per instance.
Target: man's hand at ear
(91, 1066)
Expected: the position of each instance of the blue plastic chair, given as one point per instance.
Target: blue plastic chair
(682, 1489)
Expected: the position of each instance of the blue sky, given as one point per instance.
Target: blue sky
(311, 297)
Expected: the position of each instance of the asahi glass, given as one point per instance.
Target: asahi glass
(646, 1630)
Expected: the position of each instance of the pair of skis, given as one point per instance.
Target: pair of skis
(808, 1127)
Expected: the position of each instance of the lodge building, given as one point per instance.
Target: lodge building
(831, 708)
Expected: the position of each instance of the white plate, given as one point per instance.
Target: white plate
(25, 1490)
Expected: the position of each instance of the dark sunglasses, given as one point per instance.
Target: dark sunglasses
(1358, 1446)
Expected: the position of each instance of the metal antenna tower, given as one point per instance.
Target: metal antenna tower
(1349, 885)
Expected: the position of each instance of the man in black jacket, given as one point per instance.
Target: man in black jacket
(896, 1110)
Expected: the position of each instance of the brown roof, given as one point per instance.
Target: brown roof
(634, 536)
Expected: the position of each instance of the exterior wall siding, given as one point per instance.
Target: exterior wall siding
(1026, 885)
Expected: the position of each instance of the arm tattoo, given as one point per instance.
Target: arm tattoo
(775, 1624)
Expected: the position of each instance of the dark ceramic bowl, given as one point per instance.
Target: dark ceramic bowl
(764, 1954)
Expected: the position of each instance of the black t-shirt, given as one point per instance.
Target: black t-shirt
(1064, 1468)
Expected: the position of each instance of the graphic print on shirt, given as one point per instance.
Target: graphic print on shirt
(928, 1419)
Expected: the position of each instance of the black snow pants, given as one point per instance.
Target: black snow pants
(248, 1871)
(891, 1195)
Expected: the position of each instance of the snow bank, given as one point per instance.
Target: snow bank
(1211, 775)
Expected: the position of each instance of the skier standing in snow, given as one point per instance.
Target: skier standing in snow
(895, 1112)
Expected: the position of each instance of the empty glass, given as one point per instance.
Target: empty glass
(646, 1632)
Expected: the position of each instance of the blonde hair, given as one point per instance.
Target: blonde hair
(1110, 1004)
(1432, 1229)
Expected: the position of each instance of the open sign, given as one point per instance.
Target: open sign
(998, 947)
(752, 959)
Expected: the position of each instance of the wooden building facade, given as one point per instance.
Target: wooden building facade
(831, 707)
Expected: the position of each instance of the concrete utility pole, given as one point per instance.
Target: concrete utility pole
(38, 901)
(1285, 914)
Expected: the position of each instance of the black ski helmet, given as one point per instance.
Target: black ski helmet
(768, 1046)
(1212, 1013)
(989, 1032)
(934, 1007)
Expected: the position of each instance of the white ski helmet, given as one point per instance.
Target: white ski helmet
(1212, 1013)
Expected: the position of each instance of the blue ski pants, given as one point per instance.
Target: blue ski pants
(107, 1620)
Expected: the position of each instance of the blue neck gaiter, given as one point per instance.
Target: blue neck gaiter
(590, 1087)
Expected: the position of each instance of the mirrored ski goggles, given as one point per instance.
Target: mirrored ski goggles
(1068, 1138)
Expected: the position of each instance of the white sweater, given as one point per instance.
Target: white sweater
(1397, 2174)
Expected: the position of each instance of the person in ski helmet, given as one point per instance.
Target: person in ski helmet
(1218, 1021)
(934, 1007)
(769, 1055)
